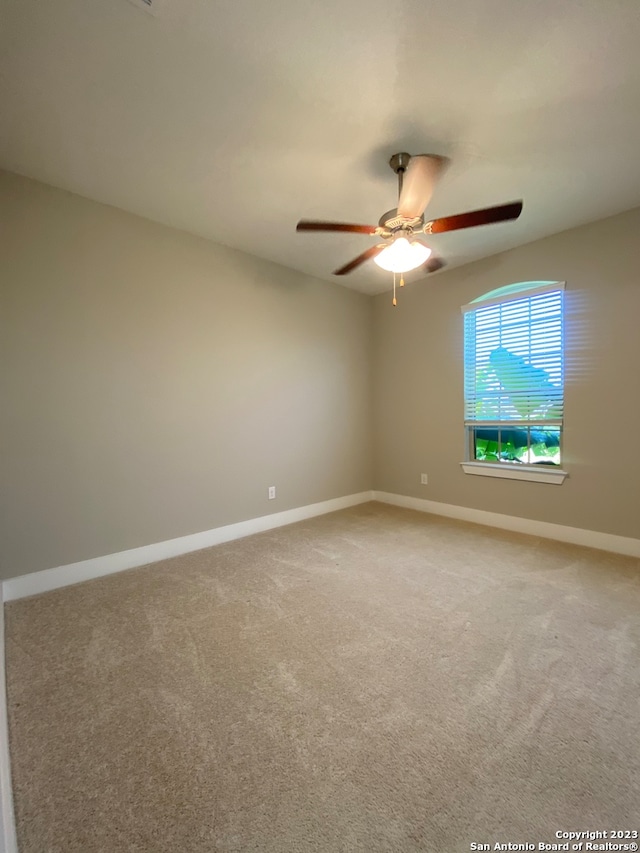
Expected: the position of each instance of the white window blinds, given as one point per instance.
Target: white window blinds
(513, 358)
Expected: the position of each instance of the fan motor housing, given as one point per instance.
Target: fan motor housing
(390, 221)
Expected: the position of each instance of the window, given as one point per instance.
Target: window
(514, 382)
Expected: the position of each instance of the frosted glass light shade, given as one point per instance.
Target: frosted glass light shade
(402, 256)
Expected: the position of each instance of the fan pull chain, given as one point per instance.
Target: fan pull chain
(394, 303)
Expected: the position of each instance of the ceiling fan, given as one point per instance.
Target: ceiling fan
(400, 251)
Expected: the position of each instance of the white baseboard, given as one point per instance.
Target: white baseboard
(574, 535)
(8, 840)
(49, 579)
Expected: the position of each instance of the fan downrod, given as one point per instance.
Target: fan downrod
(390, 220)
(399, 163)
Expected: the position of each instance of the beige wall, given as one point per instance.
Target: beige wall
(418, 388)
(154, 384)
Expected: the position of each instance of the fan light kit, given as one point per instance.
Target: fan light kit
(402, 256)
(401, 252)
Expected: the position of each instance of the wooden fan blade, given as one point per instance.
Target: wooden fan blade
(365, 256)
(434, 264)
(486, 216)
(418, 183)
(311, 225)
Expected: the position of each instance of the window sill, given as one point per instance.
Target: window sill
(534, 473)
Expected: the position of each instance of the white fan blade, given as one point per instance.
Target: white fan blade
(418, 183)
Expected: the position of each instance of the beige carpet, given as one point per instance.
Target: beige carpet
(372, 680)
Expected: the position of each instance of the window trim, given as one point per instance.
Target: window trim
(505, 470)
(495, 297)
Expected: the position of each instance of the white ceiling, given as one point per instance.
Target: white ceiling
(233, 119)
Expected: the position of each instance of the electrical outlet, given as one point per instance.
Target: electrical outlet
(272, 492)
(424, 479)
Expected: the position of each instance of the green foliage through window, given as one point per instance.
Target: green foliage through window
(528, 446)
